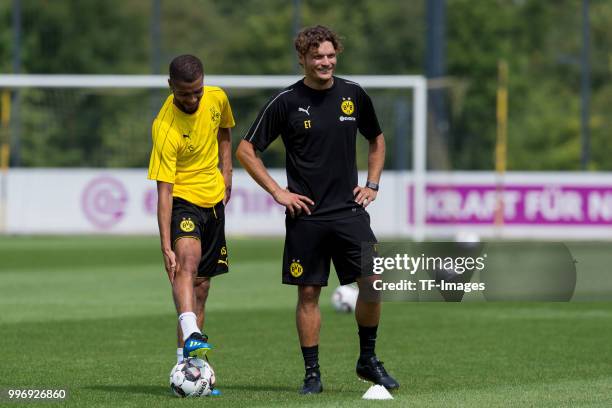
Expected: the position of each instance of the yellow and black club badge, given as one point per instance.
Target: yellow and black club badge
(348, 107)
(215, 115)
(296, 269)
(187, 225)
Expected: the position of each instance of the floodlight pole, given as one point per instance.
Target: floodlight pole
(585, 87)
(15, 111)
(435, 62)
(155, 36)
(155, 31)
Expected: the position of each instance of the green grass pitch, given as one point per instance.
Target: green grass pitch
(94, 315)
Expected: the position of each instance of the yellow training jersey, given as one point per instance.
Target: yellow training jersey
(185, 150)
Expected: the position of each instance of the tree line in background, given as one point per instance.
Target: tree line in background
(540, 41)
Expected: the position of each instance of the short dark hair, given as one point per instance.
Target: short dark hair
(311, 37)
(186, 68)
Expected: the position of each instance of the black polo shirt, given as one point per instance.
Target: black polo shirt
(319, 129)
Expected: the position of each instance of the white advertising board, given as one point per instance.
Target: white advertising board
(522, 205)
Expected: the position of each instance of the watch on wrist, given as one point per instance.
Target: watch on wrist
(372, 186)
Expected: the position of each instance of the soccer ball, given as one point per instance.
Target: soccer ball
(192, 378)
(344, 298)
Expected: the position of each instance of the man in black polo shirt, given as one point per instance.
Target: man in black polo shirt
(318, 119)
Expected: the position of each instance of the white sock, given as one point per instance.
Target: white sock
(188, 324)
(179, 355)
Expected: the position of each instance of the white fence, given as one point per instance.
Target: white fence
(535, 205)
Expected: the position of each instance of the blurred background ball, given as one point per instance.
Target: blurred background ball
(344, 298)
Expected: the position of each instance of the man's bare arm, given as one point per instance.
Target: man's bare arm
(376, 162)
(224, 138)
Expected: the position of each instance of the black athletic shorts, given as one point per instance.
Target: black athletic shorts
(206, 225)
(310, 245)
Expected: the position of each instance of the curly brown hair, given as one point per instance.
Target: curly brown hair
(313, 37)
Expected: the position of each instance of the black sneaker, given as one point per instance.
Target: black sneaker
(312, 381)
(371, 369)
(199, 336)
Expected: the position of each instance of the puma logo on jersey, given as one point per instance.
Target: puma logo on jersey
(304, 110)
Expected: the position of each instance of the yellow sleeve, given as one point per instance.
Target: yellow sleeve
(162, 165)
(227, 118)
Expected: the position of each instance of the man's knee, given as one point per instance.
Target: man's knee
(188, 256)
(187, 265)
(201, 288)
(367, 293)
(308, 295)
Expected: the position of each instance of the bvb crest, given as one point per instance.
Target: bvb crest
(187, 225)
(296, 269)
(348, 107)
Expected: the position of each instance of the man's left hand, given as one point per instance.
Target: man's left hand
(364, 196)
(227, 180)
(228, 194)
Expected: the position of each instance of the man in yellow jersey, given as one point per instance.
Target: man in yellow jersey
(191, 162)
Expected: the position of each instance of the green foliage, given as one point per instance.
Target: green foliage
(73, 36)
(540, 41)
(5, 38)
(380, 37)
(541, 44)
(82, 37)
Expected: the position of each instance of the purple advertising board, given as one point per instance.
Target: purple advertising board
(520, 204)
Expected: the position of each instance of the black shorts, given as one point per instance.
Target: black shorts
(206, 225)
(310, 245)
